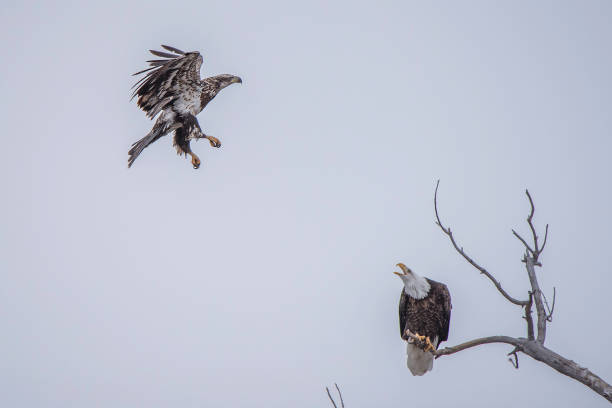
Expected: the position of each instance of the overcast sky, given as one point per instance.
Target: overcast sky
(265, 275)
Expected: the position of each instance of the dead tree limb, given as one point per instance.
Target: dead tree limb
(533, 345)
(332, 399)
(482, 270)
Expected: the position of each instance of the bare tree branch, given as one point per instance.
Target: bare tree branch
(531, 346)
(537, 351)
(550, 310)
(545, 239)
(514, 353)
(340, 394)
(529, 318)
(523, 241)
(482, 270)
(330, 397)
(537, 296)
(567, 367)
(332, 400)
(533, 231)
(477, 342)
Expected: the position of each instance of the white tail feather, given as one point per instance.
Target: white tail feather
(419, 361)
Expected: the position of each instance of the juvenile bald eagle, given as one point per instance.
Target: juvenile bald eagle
(173, 87)
(425, 310)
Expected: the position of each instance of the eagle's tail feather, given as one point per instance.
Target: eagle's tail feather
(159, 130)
(138, 147)
(420, 361)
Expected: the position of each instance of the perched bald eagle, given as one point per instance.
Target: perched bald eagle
(173, 87)
(425, 310)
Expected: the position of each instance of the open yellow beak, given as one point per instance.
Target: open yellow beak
(404, 268)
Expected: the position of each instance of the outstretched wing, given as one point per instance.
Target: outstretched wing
(167, 80)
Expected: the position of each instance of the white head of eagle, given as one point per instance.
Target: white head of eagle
(424, 310)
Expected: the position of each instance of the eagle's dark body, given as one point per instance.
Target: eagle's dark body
(173, 87)
(429, 316)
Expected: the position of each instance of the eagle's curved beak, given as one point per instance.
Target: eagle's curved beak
(236, 80)
(404, 268)
(398, 274)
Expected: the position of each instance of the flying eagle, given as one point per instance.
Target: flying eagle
(425, 310)
(174, 88)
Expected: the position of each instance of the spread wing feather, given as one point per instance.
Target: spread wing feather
(175, 50)
(167, 80)
(162, 54)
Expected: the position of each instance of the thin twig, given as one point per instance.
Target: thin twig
(545, 238)
(529, 249)
(533, 231)
(523, 241)
(482, 270)
(550, 310)
(340, 394)
(330, 397)
(332, 400)
(514, 352)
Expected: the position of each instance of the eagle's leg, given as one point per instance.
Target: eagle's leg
(430, 346)
(214, 142)
(424, 342)
(195, 160)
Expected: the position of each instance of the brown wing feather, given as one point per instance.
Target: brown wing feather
(444, 306)
(403, 313)
(166, 80)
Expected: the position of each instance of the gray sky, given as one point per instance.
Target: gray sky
(266, 275)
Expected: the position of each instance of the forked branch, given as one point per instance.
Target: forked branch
(482, 270)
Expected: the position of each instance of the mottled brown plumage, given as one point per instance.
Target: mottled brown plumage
(429, 316)
(173, 87)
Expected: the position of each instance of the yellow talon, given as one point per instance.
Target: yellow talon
(430, 346)
(195, 160)
(214, 142)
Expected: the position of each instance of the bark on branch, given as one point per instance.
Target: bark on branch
(532, 346)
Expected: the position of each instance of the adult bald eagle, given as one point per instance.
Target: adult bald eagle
(425, 310)
(173, 87)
